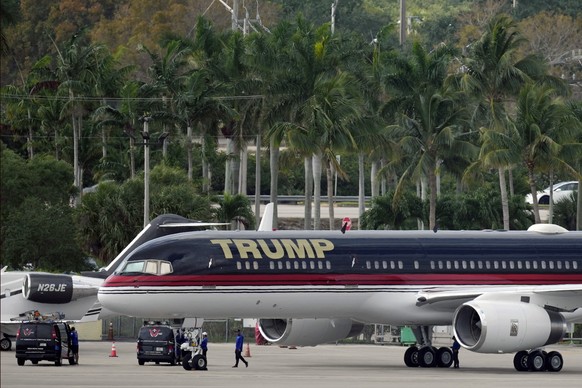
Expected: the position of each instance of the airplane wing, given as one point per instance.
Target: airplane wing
(565, 298)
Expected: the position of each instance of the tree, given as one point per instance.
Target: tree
(386, 213)
(493, 72)
(431, 117)
(235, 209)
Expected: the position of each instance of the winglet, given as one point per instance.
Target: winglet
(267, 220)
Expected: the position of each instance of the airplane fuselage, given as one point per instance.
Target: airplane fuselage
(369, 276)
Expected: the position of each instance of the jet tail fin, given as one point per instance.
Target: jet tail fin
(267, 220)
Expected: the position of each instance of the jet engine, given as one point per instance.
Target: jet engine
(487, 326)
(54, 289)
(308, 332)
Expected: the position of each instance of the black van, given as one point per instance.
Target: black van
(44, 341)
(156, 343)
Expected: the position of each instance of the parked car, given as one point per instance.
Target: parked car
(156, 343)
(44, 341)
(561, 190)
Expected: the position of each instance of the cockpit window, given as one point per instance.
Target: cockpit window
(151, 267)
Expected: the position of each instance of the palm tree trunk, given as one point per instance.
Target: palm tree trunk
(533, 190)
(258, 178)
(317, 191)
(242, 173)
(504, 199)
(308, 163)
(205, 165)
(432, 181)
(228, 168)
(374, 179)
(274, 164)
(330, 173)
(361, 186)
(132, 157)
(189, 150)
(579, 207)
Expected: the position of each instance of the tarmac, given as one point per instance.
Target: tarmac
(271, 366)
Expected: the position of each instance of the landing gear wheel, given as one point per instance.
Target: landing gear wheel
(444, 357)
(520, 361)
(186, 362)
(199, 362)
(411, 357)
(536, 361)
(427, 357)
(554, 362)
(5, 344)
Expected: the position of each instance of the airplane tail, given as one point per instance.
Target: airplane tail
(267, 220)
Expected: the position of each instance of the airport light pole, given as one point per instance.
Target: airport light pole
(146, 169)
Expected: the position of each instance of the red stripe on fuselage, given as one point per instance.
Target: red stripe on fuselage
(337, 279)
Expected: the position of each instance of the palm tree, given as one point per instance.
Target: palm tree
(544, 124)
(77, 65)
(431, 118)
(235, 209)
(493, 72)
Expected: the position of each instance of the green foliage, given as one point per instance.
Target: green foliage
(385, 214)
(565, 212)
(41, 235)
(235, 209)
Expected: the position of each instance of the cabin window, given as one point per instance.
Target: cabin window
(392, 265)
(416, 264)
(567, 264)
(527, 264)
(480, 264)
(449, 264)
(134, 266)
(535, 264)
(487, 264)
(247, 265)
(165, 268)
(328, 264)
(271, 265)
(368, 264)
(432, 265)
(312, 264)
(496, 264)
(503, 264)
(288, 265)
(400, 264)
(376, 264)
(152, 267)
(303, 265)
(238, 265)
(559, 264)
(280, 264)
(296, 265)
(385, 265)
(441, 264)
(255, 265)
(320, 264)
(472, 264)
(464, 264)
(519, 265)
(575, 264)
(551, 264)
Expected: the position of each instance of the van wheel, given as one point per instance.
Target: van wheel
(140, 361)
(173, 361)
(5, 343)
(34, 362)
(20, 361)
(58, 361)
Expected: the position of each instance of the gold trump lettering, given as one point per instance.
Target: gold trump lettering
(274, 249)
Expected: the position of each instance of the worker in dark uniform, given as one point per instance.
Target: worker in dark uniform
(204, 344)
(75, 344)
(238, 347)
(456, 346)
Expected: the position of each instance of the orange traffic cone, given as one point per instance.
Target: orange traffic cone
(247, 351)
(113, 350)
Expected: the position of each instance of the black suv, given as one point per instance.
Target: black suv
(156, 343)
(49, 341)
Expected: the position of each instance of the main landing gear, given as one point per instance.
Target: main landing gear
(426, 355)
(538, 361)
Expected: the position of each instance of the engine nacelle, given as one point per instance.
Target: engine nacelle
(48, 288)
(487, 326)
(308, 332)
